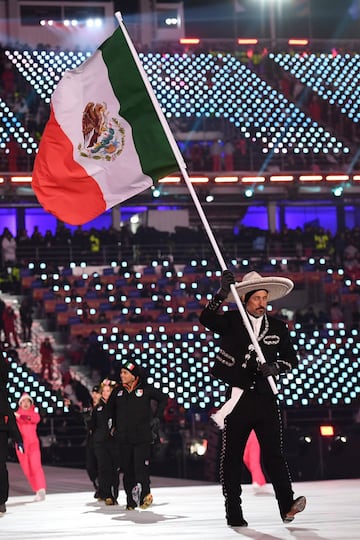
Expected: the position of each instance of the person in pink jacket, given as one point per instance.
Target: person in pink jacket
(252, 460)
(27, 418)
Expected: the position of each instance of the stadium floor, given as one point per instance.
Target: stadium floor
(182, 509)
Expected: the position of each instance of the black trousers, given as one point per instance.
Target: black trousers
(108, 468)
(135, 461)
(261, 413)
(91, 462)
(4, 476)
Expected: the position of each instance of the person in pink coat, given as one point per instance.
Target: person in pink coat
(252, 460)
(27, 419)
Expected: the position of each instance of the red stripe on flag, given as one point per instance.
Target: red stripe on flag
(61, 185)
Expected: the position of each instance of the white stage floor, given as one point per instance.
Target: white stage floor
(182, 509)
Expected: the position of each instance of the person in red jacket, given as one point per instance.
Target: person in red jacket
(27, 418)
(9, 318)
(252, 460)
(46, 353)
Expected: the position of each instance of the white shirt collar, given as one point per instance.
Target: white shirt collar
(256, 323)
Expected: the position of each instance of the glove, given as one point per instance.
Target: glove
(268, 370)
(227, 279)
(20, 448)
(155, 427)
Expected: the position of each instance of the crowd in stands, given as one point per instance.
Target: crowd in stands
(170, 296)
(30, 110)
(226, 151)
(96, 299)
(311, 240)
(82, 347)
(297, 245)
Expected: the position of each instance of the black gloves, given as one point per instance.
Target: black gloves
(268, 370)
(155, 428)
(227, 279)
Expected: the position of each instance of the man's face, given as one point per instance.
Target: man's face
(257, 303)
(126, 377)
(95, 396)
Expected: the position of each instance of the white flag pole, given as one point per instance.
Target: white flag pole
(182, 168)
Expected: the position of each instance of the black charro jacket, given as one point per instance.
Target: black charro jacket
(235, 362)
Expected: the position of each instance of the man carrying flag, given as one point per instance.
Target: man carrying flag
(252, 404)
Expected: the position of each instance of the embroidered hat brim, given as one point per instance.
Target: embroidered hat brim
(277, 287)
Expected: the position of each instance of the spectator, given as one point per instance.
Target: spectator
(336, 313)
(26, 318)
(215, 151)
(197, 157)
(8, 248)
(310, 319)
(9, 318)
(2, 309)
(229, 156)
(76, 349)
(96, 358)
(94, 241)
(8, 80)
(47, 353)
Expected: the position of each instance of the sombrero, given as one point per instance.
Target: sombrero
(277, 287)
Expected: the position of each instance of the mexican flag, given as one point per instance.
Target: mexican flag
(104, 141)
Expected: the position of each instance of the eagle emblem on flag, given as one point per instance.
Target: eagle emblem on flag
(104, 137)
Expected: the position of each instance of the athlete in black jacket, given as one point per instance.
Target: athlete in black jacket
(134, 421)
(8, 428)
(105, 449)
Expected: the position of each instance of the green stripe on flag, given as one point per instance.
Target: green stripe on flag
(155, 153)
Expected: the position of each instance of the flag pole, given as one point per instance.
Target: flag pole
(183, 170)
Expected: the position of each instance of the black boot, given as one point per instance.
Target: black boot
(96, 486)
(234, 515)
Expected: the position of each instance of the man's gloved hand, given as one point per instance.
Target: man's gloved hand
(268, 370)
(227, 279)
(155, 428)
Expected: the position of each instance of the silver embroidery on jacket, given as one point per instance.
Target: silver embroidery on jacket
(271, 340)
(225, 358)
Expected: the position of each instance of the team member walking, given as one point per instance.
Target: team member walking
(252, 404)
(8, 428)
(90, 457)
(135, 422)
(100, 430)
